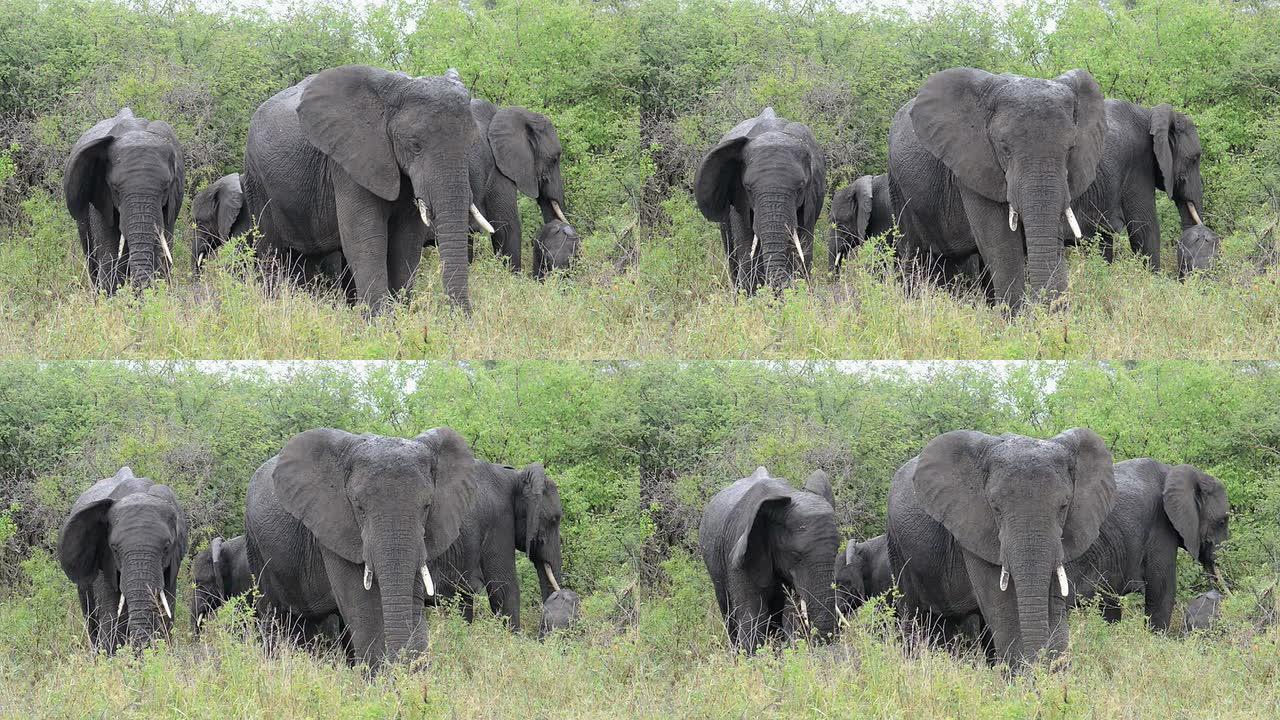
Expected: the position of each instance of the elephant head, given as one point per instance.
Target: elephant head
(1032, 145)
(526, 149)
(211, 576)
(538, 514)
(559, 612)
(388, 504)
(1197, 249)
(851, 592)
(773, 172)
(1196, 504)
(132, 534)
(1025, 505)
(401, 137)
(555, 248)
(131, 170)
(217, 214)
(1176, 145)
(852, 211)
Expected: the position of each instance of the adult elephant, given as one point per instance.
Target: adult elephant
(986, 524)
(1148, 149)
(123, 183)
(360, 160)
(860, 211)
(345, 523)
(764, 182)
(989, 164)
(1159, 508)
(764, 541)
(219, 213)
(513, 510)
(862, 573)
(219, 574)
(122, 545)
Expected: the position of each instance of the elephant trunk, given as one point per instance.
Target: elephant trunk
(396, 566)
(451, 205)
(546, 558)
(141, 585)
(141, 225)
(817, 589)
(1032, 563)
(776, 227)
(1041, 204)
(838, 242)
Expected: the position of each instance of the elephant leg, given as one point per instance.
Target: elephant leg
(750, 621)
(1111, 611)
(999, 609)
(361, 609)
(503, 213)
(404, 250)
(1160, 591)
(1107, 242)
(1143, 225)
(362, 225)
(1002, 249)
(744, 264)
(502, 585)
(467, 600)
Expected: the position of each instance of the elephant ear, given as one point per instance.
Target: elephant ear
(720, 173)
(230, 200)
(1186, 490)
(819, 484)
(84, 532)
(950, 119)
(863, 196)
(1091, 130)
(82, 175)
(311, 483)
(453, 470)
(1093, 470)
(750, 524)
(343, 112)
(950, 481)
(1165, 143)
(216, 561)
(851, 551)
(524, 144)
(533, 486)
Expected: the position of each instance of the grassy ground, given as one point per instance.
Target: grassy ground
(675, 301)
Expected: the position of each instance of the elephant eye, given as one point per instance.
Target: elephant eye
(415, 146)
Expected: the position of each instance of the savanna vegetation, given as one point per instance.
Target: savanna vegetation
(638, 91)
(636, 450)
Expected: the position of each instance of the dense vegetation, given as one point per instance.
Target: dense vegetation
(638, 89)
(636, 450)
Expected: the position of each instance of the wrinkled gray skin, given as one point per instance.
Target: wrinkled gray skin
(124, 177)
(219, 574)
(335, 509)
(862, 573)
(218, 213)
(970, 147)
(1147, 150)
(970, 504)
(125, 536)
(555, 248)
(513, 510)
(860, 211)
(1158, 509)
(1197, 249)
(559, 612)
(765, 179)
(338, 162)
(763, 540)
(1202, 612)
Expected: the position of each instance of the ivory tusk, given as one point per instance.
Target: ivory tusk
(1191, 207)
(368, 578)
(422, 211)
(804, 611)
(551, 576)
(755, 242)
(165, 604)
(120, 607)
(164, 247)
(555, 207)
(120, 252)
(1004, 578)
(200, 620)
(200, 260)
(475, 213)
(1071, 220)
(1013, 219)
(426, 581)
(1063, 588)
(839, 258)
(795, 238)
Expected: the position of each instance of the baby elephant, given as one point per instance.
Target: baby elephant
(559, 611)
(555, 247)
(1197, 249)
(220, 573)
(862, 573)
(1202, 611)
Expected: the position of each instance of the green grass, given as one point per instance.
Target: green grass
(675, 301)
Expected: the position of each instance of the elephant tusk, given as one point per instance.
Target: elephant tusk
(200, 620)
(120, 252)
(426, 581)
(164, 247)
(1071, 220)
(795, 238)
(839, 258)
(1004, 578)
(120, 607)
(551, 576)
(755, 243)
(555, 207)
(1063, 587)
(804, 611)
(1217, 575)
(422, 211)
(475, 213)
(1013, 219)
(200, 259)
(368, 578)
(165, 604)
(1191, 208)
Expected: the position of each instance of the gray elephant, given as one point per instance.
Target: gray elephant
(1158, 509)
(1197, 249)
(555, 248)
(122, 545)
(764, 541)
(362, 160)
(862, 573)
(1148, 149)
(124, 183)
(1202, 612)
(219, 213)
(986, 524)
(860, 211)
(219, 574)
(990, 164)
(344, 523)
(764, 183)
(513, 510)
(559, 612)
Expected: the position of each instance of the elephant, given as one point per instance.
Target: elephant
(362, 160)
(989, 164)
(122, 545)
(513, 510)
(555, 248)
(1147, 149)
(764, 183)
(862, 573)
(1197, 249)
(219, 213)
(1158, 509)
(219, 574)
(860, 211)
(124, 183)
(559, 612)
(986, 524)
(763, 540)
(1202, 612)
(347, 524)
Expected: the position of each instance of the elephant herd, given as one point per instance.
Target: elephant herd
(346, 536)
(989, 539)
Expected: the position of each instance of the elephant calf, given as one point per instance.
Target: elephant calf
(219, 214)
(860, 211)
(1197, 249)
(862, 573)
(1202, 611)
(555, 248)
(219, 573)
(559, 612)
